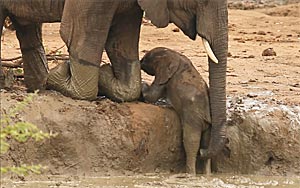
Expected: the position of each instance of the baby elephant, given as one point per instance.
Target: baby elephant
(177, 80)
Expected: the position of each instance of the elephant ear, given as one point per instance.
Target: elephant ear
(165, 71)
(157, 11)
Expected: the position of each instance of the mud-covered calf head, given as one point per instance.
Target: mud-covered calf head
(162, 63)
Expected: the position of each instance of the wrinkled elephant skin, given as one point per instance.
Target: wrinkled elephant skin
(27, 18)
(115, 27)
(89, 27)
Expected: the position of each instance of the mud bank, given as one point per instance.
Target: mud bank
(160, 181)
(263, 138)
(102, 137)
(99, 137)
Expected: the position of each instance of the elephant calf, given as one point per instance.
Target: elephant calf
(179, 82)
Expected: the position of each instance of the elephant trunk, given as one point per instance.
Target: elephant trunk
(217, 82)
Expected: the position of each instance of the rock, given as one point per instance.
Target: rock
(8, 24)
(269, 52)
(252, 95)
(147, 22)
(261, 33)
(176, 29)
(249, 57)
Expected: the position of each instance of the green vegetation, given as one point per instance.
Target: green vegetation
(21, 132)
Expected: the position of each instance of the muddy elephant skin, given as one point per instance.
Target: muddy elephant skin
(89, 27)
(27, 17)
(177, 80)
(115, 27)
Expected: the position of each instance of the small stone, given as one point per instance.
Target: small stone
(252, 95)
(269, 52)
(261, 33)
(176, 29)
(145, 51)
(239, 101)
(296, 85)
(248, 57)
(58, 184)
(242, 41)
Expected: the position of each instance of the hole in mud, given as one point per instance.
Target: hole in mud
(271, 158)
(269, 161)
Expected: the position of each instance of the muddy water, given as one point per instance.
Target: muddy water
(159, 181)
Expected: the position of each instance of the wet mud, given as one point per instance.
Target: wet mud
(103, 137)
(160, 181)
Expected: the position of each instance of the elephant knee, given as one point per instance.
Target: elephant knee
(121, 90)
(74, 80)
(105, 71)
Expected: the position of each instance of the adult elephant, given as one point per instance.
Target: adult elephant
(89, 26)
(27, 17)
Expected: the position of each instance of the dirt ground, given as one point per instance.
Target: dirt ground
(270, 79)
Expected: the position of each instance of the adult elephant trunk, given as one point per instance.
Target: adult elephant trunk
(216, 33)
(210, 20)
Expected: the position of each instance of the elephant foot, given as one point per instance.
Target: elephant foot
(58, 77)
(191, 143)
(191, 170)
(34, 82)
(2, 78)
(35, 70)
(117, 89)
(207, 167)
(74, 79)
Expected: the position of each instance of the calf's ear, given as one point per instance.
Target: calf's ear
(165, 71)
(157, 11)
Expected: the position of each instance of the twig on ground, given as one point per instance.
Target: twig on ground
(56, 50)
(50, 56)
(11, 59)
(16, 64)
(57, 57)
(17, 61)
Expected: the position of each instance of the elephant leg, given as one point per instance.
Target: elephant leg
(84, 29)
(122, 50)
(204, 145)
(191, 142)
(71, 79)
(114, 88)
(153, 93)
(2, 77)
(106, 77)
(33, 55)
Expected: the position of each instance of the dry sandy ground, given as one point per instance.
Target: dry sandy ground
(274, 79)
